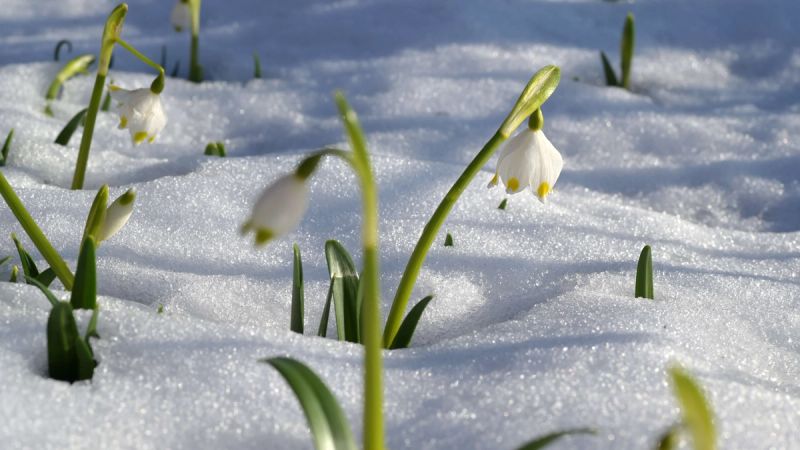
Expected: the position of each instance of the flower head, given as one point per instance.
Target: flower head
(528, 159)
(139, 110)
(181, 16)
(117, 215)
(279, 209)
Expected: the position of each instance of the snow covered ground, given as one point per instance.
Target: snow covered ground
(534, 326)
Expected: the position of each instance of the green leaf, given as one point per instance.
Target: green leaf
(14, 274)
(6, 148)
(297, 292)
(403, 337)
(448, 240)
(69, 129)
(42, 287)
(322, 331)
(325, 417)
(62, 336)
(626, 51)
(256, 66)
(344, 279)
(697, 415)
(544, 441)
(85, 360)
(503, 204)
(215, 149)
(47, 276)
(84, 291)
(536, 92)
(175, 69)
(57, 50)
(29, 268)
(644, 274)
(106, 103)
(97, 214)
(74, 66)
(611, 77)
(4, 260)
(669, 440)
(91, 329)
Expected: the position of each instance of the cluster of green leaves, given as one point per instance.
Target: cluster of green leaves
(6, 148)
(345, 297)
(215, 149)
(626, 57)
(69, 355)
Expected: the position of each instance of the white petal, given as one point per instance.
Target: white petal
(181, 17)
(548, 165)
(281, 206)
(516, 165)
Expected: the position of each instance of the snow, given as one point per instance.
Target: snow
(533, 327)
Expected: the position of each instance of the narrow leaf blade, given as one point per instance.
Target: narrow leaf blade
(85, 360)
(6, 148)
(97, 213)
(47, 293)
(29, 268)
(611, 77)
(344, 279)
(626, 51)
(325, 417)
(69, 129)
(297, 292)
(544, 441)
(403, 337)
(47, 276)
(697, 415)
(644, 274)
(84, 291)
(322, 331)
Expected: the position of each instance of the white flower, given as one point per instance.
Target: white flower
(279, 209)
(528, 159)
(181, 16)
(141, 111)
(117, 215)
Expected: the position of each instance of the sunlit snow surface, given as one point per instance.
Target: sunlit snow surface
(534, 326)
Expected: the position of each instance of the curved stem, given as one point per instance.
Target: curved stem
(111, 32)
(139, 54)
(414, 264)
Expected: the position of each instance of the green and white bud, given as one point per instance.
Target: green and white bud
(117, 215)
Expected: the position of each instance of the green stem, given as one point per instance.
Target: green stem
(88, 131)
(139, 55)
(417, 258)
(35, 233)
(195, 69)
(111, 33)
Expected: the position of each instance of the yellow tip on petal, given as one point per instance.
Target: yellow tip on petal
(139, 137)
(123, 122)
(112, 87)
(543, 190)
(151, 139)
(512, 185)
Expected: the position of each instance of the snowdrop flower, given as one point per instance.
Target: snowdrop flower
(117, 215)
(529, 159)
(181, 16)
(139, 110)
(279, 209)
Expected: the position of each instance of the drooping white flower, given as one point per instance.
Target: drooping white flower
(528, 159)
(279, 210)
(139, 110)
(117, 215)
(181, 16)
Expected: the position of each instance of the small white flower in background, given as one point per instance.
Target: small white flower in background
(139, 110)
(181, 16)
(279, 210)
(117, 215)
(528, 159)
